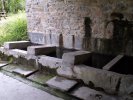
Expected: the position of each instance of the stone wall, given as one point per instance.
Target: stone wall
(94, 25)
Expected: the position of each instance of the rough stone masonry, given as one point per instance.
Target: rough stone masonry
(94, 25)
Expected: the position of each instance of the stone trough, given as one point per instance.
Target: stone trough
(49, 56)
(123, 66)
(111, 73)
(106, 72)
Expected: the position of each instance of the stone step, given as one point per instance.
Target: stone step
(3, 63)
(19, 69)
(61, 83)
(86, 93)
(40, 77)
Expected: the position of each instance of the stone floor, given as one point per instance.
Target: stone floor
(11, 89)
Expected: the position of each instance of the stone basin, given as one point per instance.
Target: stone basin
(59, 51)
(97, 60)
(123, 66)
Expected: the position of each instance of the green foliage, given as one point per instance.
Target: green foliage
(13, 6)
(14, 29)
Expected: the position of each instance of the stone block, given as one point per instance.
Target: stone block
(65, 71)
(78, 42)
(126, 86)
(77, 57)
(61, 83)
(41, 76)
(40, 50)
(68, 41)
(70, 59)
(10, 67)
(48, 39)
(17, 53)
(37, 38)
(109, 81)
(86, 93)
(55, 39)
(17, 44)
(50, 62)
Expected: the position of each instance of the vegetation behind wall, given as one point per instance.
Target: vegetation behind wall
(13, 6)
(13, 28)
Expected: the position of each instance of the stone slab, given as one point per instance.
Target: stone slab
(78, 43)
(10, 67)
(11, 89)
(17, 44)
(37, 38)
(50, 62)
(55, 39)
(19, 69)
(68, 41)
(3, 63)
(40, 50)
(86, 93)
(40, 77)
(61, 83)
(25, 70)
(17, 53)
(126, 86)
(70, 59)
(100, 78)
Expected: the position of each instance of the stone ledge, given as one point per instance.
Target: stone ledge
(40, 50)
(17, 44)
(14, 52)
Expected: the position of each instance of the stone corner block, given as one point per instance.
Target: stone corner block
(77, 57)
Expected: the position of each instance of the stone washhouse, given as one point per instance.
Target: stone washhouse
(82, 41)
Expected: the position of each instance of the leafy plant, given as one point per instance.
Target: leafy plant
(14, 29)
(13, 6)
